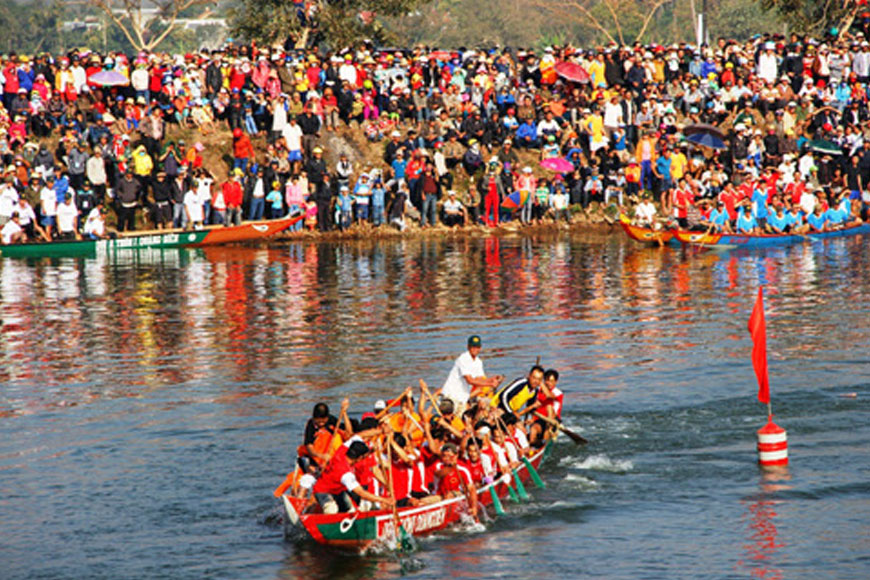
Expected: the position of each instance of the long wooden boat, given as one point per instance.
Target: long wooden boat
(159, 239)
(647, 235)
(731, 241)
(358, 531)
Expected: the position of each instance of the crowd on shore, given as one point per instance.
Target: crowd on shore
(791, 114)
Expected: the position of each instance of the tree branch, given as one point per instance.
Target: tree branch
(655, 7)
(613, 15)
(565, 5)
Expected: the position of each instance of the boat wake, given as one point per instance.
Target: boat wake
(577, 481)
(599, 463)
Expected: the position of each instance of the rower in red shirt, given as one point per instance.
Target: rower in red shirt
(728, 196)
(550, 399)
(452, 479)
(338, 484)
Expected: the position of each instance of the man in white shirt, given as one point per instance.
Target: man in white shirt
(293, 139)
(95, 224)
(48, 205)
(8, 200)
(467, 378)
(12, 233)
(67, 219)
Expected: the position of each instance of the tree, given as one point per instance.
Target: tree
(339, 23)
(145, 31)
(817, 16)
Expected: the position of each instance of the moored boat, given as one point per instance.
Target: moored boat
(647, 235)
(358, 531)
(165, 239)
(731, 241)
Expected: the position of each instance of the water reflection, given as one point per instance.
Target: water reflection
(304, 318)
(764, 539)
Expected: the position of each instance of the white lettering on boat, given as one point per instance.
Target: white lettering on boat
(414, 523)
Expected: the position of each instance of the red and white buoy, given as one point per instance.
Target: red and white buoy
(772, 445)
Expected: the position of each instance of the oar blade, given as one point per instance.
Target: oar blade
(577, 439)
(496, 502)
(521, 489)
(534, 473)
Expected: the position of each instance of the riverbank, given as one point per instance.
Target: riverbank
(596, 219)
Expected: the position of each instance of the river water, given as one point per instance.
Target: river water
(150, 405)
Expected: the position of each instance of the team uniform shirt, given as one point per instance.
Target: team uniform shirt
(718, 218)
(778, 223)
(817, 221)
(475, 469)
(456, 387)
(505, 455)
(515, 395)
(547, 403)
(458, 479)
(745, 222)
(338, 475)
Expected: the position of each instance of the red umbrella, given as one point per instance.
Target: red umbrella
(572, 71)
(441, 55)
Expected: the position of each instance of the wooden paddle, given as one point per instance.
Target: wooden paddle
(456, 433)
(531, 468)
(403, 537)
(521, 489)
(577, 439)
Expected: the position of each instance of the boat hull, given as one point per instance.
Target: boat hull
(648, 235)
(157, 240)
(359, 530)
(730, 241)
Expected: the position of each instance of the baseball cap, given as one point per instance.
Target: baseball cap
(380, 405)
(474, 340)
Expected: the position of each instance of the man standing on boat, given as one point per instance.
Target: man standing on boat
(467, 378)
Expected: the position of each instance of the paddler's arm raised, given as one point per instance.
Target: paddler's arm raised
(482, 384)
(344, 425)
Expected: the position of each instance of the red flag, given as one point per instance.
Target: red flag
(759, 346)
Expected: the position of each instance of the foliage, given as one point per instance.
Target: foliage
(537, 23)
(339, 23)
(816, 16)
(145, 31)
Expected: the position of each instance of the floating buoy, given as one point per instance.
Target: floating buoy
(772, 445)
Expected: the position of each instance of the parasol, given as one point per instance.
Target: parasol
(706, 140)
(703, 129)
(515, 200)
(572, 71)
(558, 165)
(109, 78)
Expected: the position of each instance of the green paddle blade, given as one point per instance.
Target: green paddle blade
(406, 542)
(512, 493)
(521, 489)
(534, 473)
(496, 502)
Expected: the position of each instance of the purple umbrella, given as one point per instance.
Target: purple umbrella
(558, 165)
(109, 78)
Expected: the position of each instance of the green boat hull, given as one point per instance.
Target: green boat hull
(93, 248)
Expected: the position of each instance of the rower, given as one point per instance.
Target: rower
(467, 378)
(453, 479)
(319, 431)
(338, 486)
(518, 396)
(549, 402)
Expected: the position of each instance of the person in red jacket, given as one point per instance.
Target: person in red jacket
(243, 150)
(233, 195)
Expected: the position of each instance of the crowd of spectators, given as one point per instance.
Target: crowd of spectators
(459, 132)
